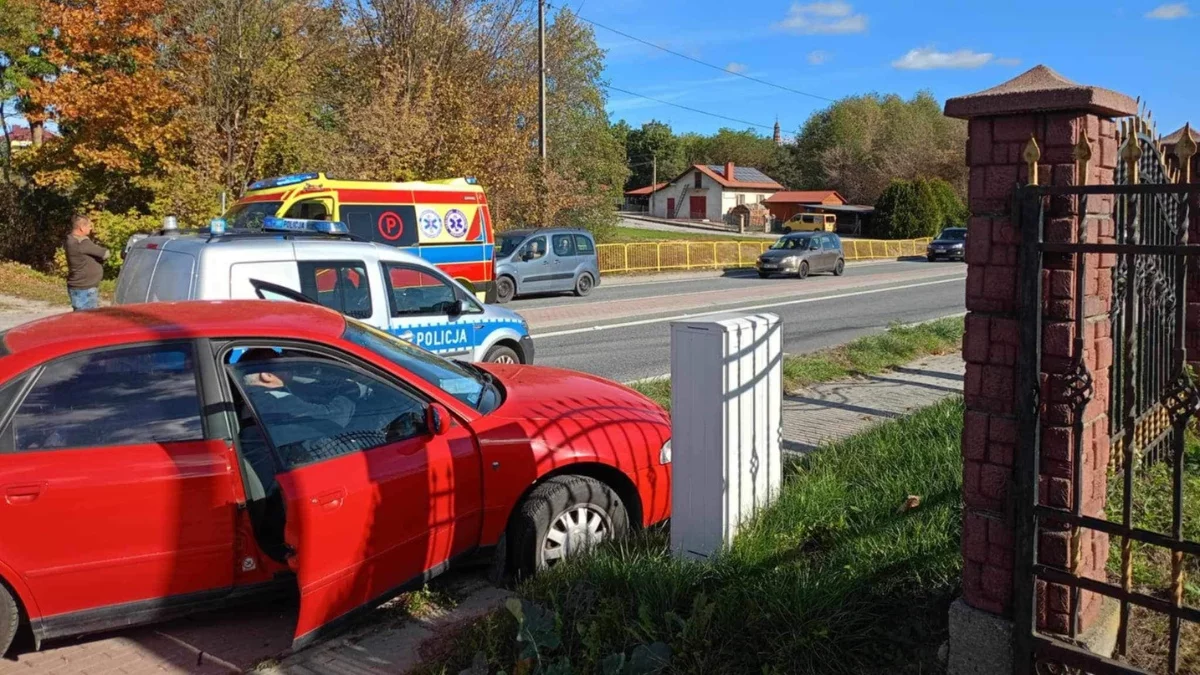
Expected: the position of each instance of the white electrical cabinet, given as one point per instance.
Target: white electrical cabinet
(726, 411)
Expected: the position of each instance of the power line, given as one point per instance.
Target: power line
(684, 107)
(703, 63)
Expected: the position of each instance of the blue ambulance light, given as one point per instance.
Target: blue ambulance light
(331, 227)
(280, 181)
(277, 224)
(216, 226)
(471, 180)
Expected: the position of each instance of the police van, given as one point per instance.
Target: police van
(318, 261)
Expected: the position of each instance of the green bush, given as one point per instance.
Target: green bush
(954, 212)
(917, 208)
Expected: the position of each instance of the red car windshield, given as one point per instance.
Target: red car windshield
(469, 384)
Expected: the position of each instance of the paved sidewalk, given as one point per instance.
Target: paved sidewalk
(832, 411)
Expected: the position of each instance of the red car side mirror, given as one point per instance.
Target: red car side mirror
(437, 419)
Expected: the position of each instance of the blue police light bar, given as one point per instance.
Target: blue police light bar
(277, 224)
(216, 226)
(280, 181)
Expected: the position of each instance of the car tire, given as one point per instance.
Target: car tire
(802, 273)
(557, 509)
(502, 354)
(10, 619)
(839, 268)
(930, 258)
(506, 289)
(584, 284)
(763, 275)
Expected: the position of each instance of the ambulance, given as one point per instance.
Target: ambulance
(445, 222)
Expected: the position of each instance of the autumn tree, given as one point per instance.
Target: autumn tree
(113, 104)
(744, 147)
(21, 66)
(255, 77)
(859, 144)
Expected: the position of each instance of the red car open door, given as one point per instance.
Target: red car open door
(374, 496)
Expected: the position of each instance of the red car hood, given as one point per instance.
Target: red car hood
(541, 393)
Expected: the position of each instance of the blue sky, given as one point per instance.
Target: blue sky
(835, 48)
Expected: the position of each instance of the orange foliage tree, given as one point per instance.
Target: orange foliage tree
(114, 108)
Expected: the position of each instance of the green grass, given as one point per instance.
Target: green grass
(22, 281)
(868, 355)
(629, 235)
(835, 577)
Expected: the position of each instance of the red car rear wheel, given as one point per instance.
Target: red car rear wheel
(10, 619)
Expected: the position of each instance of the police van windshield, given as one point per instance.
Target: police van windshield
(249, 215)
(471, 385)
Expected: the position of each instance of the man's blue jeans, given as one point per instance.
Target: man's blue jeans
(84, 298)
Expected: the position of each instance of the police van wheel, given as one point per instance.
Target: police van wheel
(583, 285)
(502, 354)
(505, 290)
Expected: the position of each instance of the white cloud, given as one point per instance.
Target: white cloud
(929, 58)
(824, 18)
(818, 57)
(735, 67)
(1176, 10)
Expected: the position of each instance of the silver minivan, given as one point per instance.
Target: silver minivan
(546, 260)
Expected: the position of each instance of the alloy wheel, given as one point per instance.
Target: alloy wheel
(578, 530)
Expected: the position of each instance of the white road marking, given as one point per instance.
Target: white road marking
(677, 317)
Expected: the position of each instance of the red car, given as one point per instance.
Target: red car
(165, 458)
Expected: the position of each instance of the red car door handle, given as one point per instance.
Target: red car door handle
(23, 494)
(330, 501)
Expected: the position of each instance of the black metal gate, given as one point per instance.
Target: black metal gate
(1153, 400)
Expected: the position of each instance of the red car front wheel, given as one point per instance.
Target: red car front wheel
(563, 518)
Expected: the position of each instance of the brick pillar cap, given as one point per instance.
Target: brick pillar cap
(1040, 89)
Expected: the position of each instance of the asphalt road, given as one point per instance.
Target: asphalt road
(819, 312)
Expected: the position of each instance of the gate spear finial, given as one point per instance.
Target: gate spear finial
(1031, 155)
(1185, 149)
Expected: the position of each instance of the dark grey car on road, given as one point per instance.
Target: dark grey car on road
(545, 260)
(950, 244)
(803, 253)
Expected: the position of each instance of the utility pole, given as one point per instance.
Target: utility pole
(542, 80)
(653, 181)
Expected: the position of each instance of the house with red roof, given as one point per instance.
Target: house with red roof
(22, 137)
(709, 191)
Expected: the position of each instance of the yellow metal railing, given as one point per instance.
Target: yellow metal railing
(660, 256)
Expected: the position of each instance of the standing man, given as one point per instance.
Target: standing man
(84, 270)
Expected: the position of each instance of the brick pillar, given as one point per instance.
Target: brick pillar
(1041, 105)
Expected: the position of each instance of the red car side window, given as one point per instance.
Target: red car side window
(128, 396)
